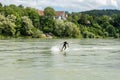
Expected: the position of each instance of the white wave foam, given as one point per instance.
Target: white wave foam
(55, 49)
(95, 48)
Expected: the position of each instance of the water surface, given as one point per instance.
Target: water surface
(36, 59)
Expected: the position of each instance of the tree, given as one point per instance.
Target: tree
(103, 19)
(74, 17)
(87, 34)
(111, 30)
(59, 28)
(47, 24)
(12, 18)
(83, 19)
(116, 21)
(66, 29)
(95, 25)
(26, 27)
(49, 11)
(21, 6)
(71, 30)
(36, 33)
(7, 27)
(34, 16)
(1, 5)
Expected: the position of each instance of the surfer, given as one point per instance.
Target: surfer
(65, 45)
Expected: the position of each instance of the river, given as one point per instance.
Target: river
(40, 59)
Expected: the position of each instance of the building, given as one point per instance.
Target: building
(41, 12)
(59, 14)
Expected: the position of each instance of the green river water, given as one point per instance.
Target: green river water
(40, 59)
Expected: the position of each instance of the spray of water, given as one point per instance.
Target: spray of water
(55, 49)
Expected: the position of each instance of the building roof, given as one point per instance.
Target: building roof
(60, 13)
(41, 12)
(57, 13)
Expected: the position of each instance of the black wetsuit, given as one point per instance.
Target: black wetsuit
(64, 45)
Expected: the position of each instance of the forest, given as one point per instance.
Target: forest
(25, 22)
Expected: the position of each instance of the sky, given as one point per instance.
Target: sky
(67, 5)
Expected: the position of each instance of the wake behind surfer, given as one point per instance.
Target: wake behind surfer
(65, 45)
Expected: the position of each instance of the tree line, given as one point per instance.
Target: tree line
(20, 21)
(95, 25)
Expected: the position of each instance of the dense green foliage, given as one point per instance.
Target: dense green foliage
(66, 29)
(48, 11)
(94, 26)
(47, 24)
(108, 12)
(19, 21)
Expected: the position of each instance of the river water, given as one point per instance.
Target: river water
(40, 59)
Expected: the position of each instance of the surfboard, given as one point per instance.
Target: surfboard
(62, 50)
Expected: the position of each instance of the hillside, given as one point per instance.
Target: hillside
(108, 12)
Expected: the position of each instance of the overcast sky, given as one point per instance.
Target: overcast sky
(67, 5)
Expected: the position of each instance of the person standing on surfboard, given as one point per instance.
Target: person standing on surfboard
(65, 45)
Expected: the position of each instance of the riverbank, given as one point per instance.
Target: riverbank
(49, 37)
